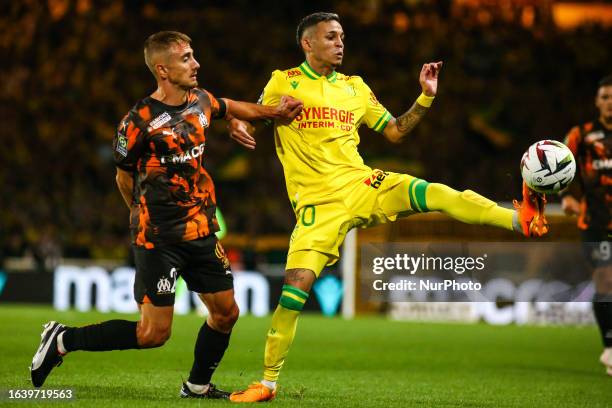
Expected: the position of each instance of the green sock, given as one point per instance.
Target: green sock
(282, 330)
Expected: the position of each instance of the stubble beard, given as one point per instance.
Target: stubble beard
(183, 85)
(337, 65)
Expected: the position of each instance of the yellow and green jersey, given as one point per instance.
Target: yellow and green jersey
(318, 149)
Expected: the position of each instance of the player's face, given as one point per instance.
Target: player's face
(181, 66)
(603, 101)
(327, 43)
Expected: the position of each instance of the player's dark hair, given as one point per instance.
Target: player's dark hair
(606, 81)
(312, 20)
(161, 41)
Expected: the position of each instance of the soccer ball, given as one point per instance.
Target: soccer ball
(548, 166)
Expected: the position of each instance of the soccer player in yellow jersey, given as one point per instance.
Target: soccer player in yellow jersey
(330, 187)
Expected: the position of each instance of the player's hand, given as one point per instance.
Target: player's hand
(429, 78)
(570, 205)
(239, 131)
(288, 108)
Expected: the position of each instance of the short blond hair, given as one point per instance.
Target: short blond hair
(161, 42)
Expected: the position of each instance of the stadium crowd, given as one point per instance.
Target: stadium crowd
(73, 67)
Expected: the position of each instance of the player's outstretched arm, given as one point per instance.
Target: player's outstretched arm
(287, 109)
(240, 112)
(241, 132)
(399, 127)
(125, 182)
(570, 203)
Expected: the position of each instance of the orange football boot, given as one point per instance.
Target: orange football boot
(531, 213)
(257, 392)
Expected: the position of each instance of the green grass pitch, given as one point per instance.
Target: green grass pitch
(365, 362)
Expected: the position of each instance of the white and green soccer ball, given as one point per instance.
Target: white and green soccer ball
(548, 166)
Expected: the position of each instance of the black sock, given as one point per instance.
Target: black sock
(602, 309)
(105, 336)
(209, 349)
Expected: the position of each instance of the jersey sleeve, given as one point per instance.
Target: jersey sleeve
(376, 115)
(218, 107)
(573, 140)
(127, 144)
(271, 94)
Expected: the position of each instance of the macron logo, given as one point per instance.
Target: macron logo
(3, 279)
(159, 121)
(328, 291)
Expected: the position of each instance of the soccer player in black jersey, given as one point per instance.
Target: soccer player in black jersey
(158, 150)
(591, 144)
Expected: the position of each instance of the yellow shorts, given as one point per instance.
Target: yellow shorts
(376, 198)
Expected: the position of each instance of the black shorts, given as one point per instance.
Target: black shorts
(202, 263)
(597, 248)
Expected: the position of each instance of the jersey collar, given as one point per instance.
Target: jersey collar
(310, 73)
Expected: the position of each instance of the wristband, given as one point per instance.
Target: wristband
(425, 100)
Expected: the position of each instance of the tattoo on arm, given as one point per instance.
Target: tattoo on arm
(407, 121)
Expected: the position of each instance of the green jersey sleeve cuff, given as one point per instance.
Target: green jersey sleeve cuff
(381, 124)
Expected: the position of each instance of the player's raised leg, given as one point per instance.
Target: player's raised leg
(212, 341)
(153, 330)
(468, 206)
(298, 282)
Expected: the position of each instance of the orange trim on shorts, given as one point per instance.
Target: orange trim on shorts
(146, 299)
